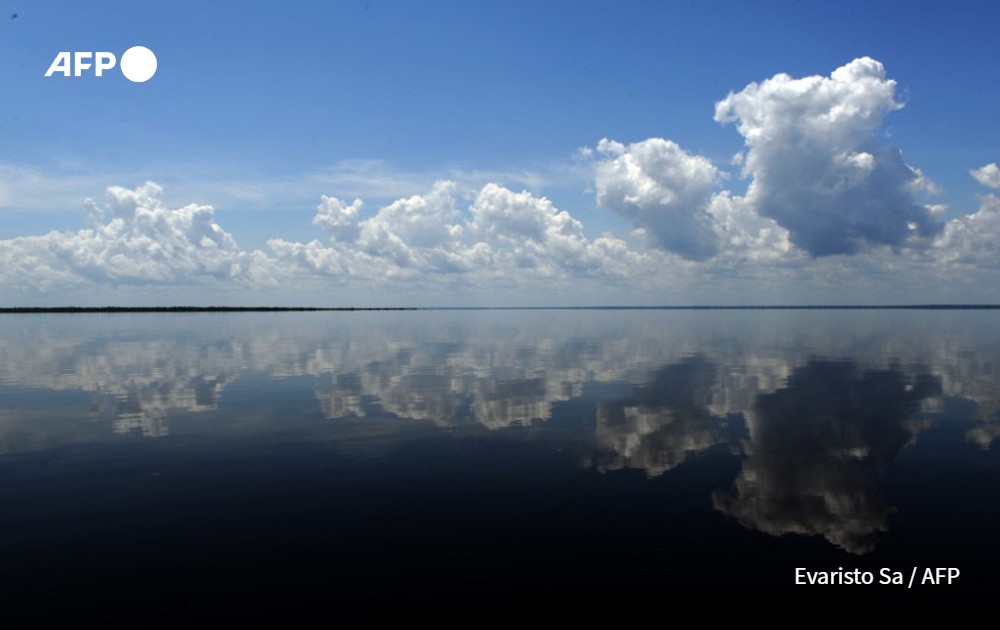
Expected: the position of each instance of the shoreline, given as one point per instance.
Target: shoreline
(271, 309)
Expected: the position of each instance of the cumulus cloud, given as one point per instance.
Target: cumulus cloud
(501, 237)
(663, 190)
(820, 184)
(133, 239)
(529, 232)
(500, 214)
(445, 237)
(747, 237)
(988, 175)
(338, 218)
(972, 241)
(419, 232)
(816, 166)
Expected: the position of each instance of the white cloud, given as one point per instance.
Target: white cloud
(988, 175)
(134, 239)
(816, 166)
(529, 232)
(338, 218)
(502, 238)
(972, 242)
(663, 190)
(413, 231)
(820, 184)
(416, 235)
(500, 214)
(746, 236)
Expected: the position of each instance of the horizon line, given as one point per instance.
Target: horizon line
(688, 307)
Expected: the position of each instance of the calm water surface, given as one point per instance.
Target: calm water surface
(184, 465)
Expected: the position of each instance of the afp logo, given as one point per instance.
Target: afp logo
(138, 64)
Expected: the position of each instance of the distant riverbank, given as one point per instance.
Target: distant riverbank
(269, 309)
(188, 309)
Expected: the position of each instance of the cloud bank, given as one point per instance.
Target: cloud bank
(827, 209)
(134, 239)
(495, 236)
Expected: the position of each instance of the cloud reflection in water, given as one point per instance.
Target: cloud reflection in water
(824, 411)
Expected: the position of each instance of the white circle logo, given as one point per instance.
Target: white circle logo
(138, 64)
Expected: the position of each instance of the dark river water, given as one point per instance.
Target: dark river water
(242, 465)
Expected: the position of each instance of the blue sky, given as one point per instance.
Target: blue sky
(503, 153)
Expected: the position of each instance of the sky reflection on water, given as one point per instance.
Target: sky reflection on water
(797, 418)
